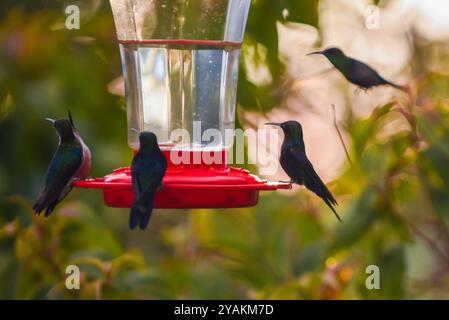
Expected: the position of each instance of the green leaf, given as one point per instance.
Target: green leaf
(364, 130)
(392, 267)
(310, 258)
(268, 13)
(359, 217)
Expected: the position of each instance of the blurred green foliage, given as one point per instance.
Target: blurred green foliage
(394, 198)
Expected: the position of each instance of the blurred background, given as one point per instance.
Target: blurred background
(393, 193)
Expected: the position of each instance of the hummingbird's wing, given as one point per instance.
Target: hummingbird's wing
(63, 167)
(363, 75)
(143, 198)
(135, 184)
(141, 174)
(311, 179)
(146, 177)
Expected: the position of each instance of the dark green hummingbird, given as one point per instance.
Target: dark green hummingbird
(70, 162)
(147, 171)
(355, 71)
(295, 163)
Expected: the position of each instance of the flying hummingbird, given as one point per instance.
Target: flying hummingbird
(147, 171)
(70, 162)
(355, 71)
(295, 163)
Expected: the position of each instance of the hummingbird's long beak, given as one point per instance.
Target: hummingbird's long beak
(315, 52)
(134, 130)
(273, 124)
(50, 120)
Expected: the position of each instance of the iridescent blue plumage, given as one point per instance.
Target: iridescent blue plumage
(71, 161)
(295, 163)
(147, 170)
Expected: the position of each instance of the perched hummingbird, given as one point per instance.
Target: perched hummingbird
(70, 162)
(295, 163)
(147, 171)
(356, 71)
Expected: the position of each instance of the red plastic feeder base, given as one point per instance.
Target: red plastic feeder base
(189, 186)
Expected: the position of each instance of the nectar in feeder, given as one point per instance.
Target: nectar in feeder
(180, 65)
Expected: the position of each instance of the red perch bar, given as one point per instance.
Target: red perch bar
(190, 184)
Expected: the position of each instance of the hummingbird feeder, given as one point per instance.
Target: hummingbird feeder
(180, 66)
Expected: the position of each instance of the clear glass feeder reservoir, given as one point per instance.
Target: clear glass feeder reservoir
(180, 66)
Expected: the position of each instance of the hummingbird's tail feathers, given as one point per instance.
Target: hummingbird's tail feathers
(329, 204)
(41, 203)
(144, 220)
(141, 212)
(50, 198)
(134, 216)
(329, 199)
(38, 207)
(315, 184)
(404, 88)
(44, 204)
(50, 209)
